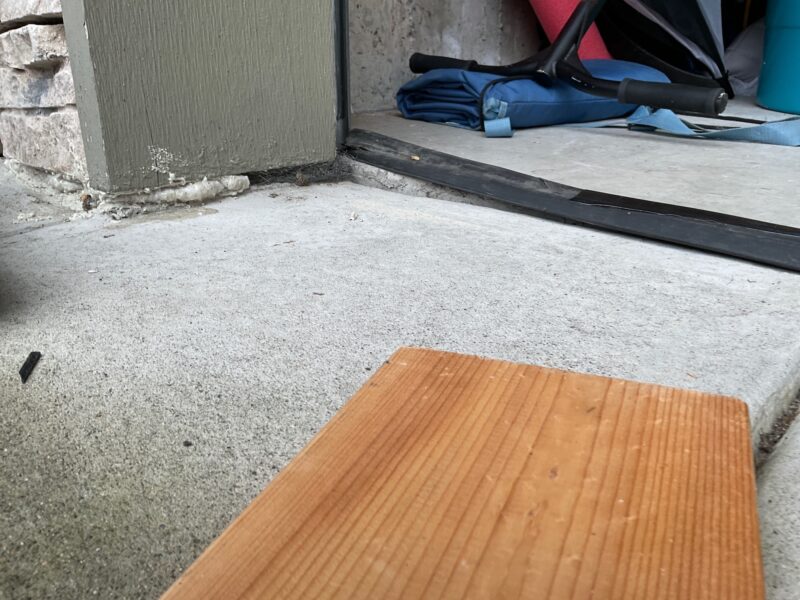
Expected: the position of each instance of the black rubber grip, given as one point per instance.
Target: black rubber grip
(675, 96)
(422, 63)
(29, 366)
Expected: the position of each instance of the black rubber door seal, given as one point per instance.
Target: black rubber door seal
(748, 239)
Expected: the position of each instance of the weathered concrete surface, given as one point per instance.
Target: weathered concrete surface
(46, 187)
(243, 330)
(24, 208)
(14, 13)
(779, 503)
(61, 192)
(36, 88)
(258, 92)
(33, 46)
(385, 33)
(47, 139)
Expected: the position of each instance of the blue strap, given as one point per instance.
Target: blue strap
(498, 128)
(779, 133)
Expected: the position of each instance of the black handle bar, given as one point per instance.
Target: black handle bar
(677, 97)
(422, 63)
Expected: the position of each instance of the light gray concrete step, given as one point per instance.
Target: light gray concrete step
(779, 507)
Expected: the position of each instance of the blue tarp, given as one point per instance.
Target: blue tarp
(451, 96)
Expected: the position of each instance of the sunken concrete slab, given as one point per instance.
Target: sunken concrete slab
(779, 504)
(188, 356)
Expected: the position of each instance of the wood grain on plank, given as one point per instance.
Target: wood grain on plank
(451, 476)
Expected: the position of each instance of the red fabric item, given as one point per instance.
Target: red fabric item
(553, 14)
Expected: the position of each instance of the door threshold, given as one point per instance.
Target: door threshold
(748, 239)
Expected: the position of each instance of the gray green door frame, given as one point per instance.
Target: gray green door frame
(182, 90)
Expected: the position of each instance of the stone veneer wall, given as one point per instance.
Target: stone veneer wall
(39, 123)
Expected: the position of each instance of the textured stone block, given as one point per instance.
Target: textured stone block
(14, 13)
(33, 46)
(31, 88)
(47, 139)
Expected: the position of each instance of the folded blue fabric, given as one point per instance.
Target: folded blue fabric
(451, 96)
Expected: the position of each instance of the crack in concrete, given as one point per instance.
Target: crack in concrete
(770, 439)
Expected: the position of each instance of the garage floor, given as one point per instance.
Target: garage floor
(189, 355)
(756, 181)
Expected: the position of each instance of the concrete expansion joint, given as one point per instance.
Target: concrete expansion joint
(780, 426)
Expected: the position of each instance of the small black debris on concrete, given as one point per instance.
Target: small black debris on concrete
(188, 444)
(29, 366)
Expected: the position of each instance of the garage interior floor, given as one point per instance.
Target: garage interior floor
(756, 181)
(188, 355)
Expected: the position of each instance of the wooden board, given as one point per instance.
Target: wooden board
(451, 476)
